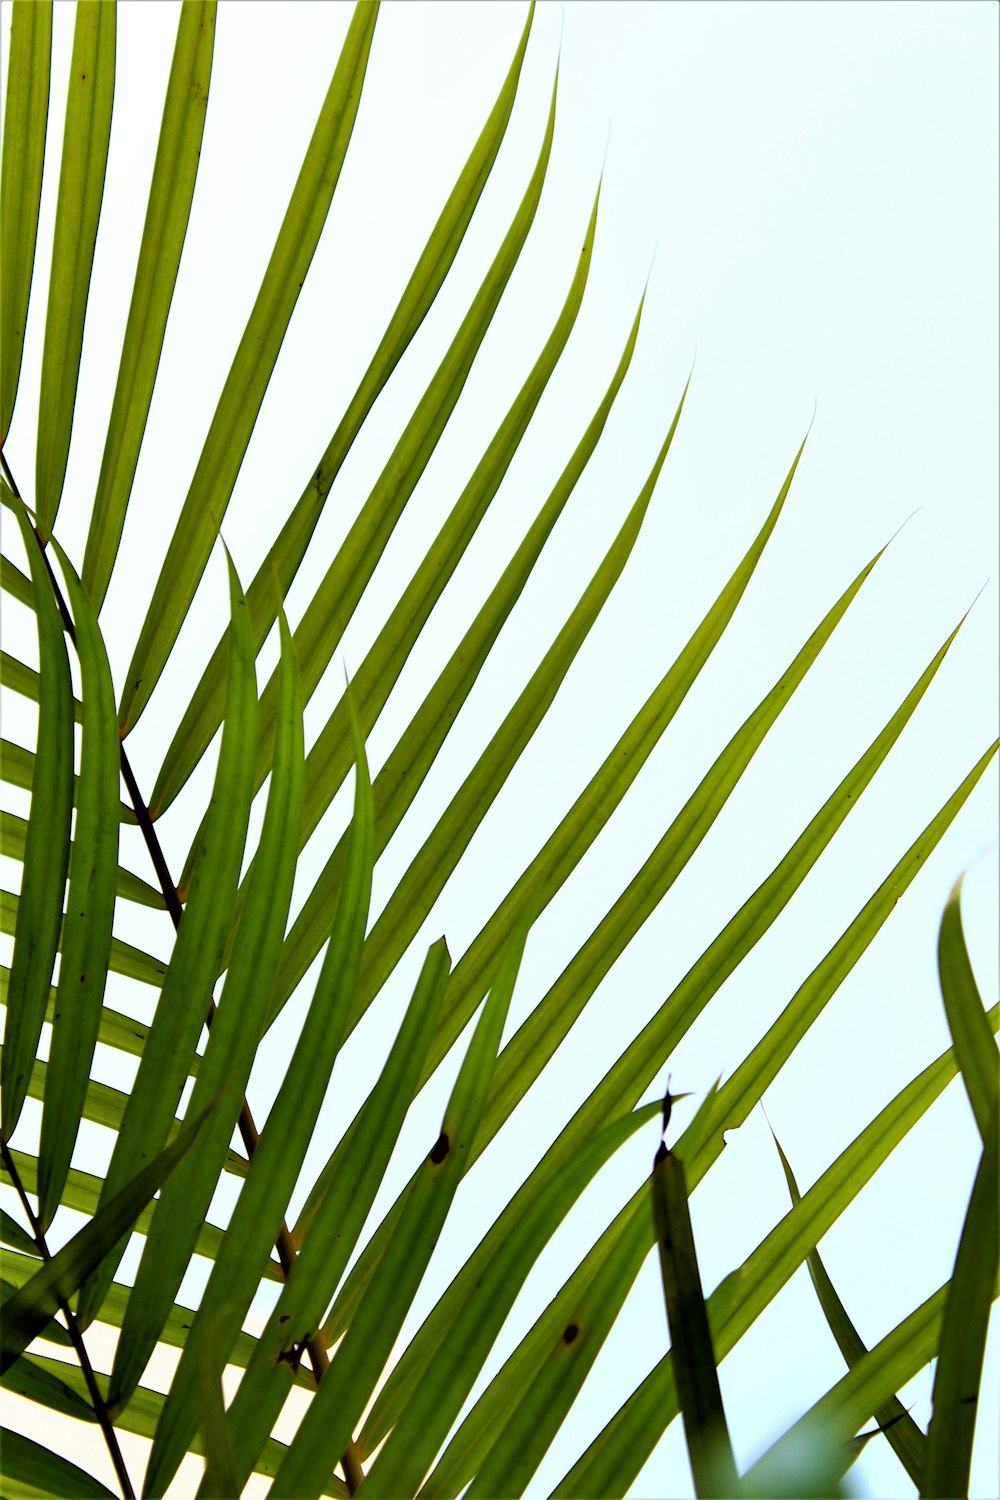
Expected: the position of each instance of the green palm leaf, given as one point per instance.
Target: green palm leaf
(14, 833)
(26, 1462)
(83, 1191)
(445, 1382)
(46, 851)
(277, 1161)
(974, 1281)
(170, 195)
(90, 904)
(367, 1336)
(81, 188)
(695, 1374)
(33, 1305)
(320, 629)
(25, 118)
(618, 1454)
(905, 1437)
(223, 1074)
(186, 996)
(236, 413)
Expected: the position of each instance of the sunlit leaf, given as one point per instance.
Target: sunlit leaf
(186, 994)
(204, 711)
(239, 404)
(26, 109)
(86, 135)
(27, 1462)
(33, 1305)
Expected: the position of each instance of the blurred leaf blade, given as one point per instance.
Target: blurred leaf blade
(220, 1475)
(893, 1361)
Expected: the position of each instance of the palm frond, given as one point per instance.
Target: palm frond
(278, 954)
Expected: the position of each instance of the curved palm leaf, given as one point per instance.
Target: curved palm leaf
(396, 1421)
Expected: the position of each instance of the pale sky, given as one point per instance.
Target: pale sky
(819, 185)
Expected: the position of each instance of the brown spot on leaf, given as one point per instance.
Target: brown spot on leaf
(440, 1149)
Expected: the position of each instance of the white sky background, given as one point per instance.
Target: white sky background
(820, 181)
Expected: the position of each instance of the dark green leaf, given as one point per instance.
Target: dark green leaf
(32, 1381)
(239, 404)
(695, 1374)
(964, 1326)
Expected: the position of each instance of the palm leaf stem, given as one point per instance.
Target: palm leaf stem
(284, 1245)
(76, 1335)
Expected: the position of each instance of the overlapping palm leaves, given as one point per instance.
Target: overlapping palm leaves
(73, 891)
